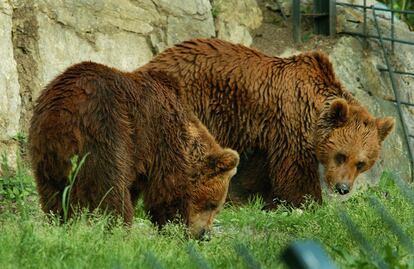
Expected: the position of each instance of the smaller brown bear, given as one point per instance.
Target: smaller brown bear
(140, 140)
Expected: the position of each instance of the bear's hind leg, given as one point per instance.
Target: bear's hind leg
(51, 180)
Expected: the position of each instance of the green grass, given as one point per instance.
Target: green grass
(29, 240)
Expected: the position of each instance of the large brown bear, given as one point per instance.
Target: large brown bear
(288, 114)
(139, 138)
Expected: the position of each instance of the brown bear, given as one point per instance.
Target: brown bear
(139, 140)
(287, 114)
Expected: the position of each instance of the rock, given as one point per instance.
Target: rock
(109, 32)
(40, 39)
(9, 87)
(235, 19)
(184, 20)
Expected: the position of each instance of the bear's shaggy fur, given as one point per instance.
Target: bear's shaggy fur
(290, 113)
(139, 139)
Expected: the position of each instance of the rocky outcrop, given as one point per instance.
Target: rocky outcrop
(235, 19)
(41, 38)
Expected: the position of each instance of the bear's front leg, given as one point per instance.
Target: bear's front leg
(294, 181)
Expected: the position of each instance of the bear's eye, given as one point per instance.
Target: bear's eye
(360, 165)
(210, 205)
(340, 158)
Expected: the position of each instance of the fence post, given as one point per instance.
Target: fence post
(296, 21)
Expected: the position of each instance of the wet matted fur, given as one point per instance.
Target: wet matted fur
(288, 114)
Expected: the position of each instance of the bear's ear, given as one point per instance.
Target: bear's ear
(338, 112)
(385, 126)
(222, 162)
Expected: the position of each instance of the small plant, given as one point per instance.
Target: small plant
(76, 166)
(215, 10)
(15, 186)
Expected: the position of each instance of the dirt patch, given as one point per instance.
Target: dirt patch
(274, 36)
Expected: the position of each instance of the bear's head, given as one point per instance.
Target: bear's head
(213, 167)
(348, 142)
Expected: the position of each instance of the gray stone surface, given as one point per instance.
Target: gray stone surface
(185, 20)
(40, 39)
(235, 19)
(10, 102)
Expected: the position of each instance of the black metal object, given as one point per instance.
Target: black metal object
(306, 254)
(377, 37)
(296, 21)
(396, 95)
(377, 8)
(324, 16)
(325, 21)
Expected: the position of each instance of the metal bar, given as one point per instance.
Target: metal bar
(404, 187)
(306, 254)
(377, 37)
(396, 94)
(392, 26)
(392, 224)
(365, 24)
(321, 21)
(396, 72)
(363, 242)
(401, 102)
(316, 15)
(296, 21)
(377, 8)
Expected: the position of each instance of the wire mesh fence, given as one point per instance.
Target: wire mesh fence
(392, 72)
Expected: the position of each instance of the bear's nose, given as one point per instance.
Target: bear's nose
(204, 235)
(342, 188)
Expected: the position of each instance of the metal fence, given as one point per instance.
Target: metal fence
(389, 68)
(324, 14)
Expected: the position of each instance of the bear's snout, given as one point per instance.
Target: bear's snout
(204, 235)
(342, 188)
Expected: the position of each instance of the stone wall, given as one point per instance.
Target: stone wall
(10, 101)
(40, 38)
